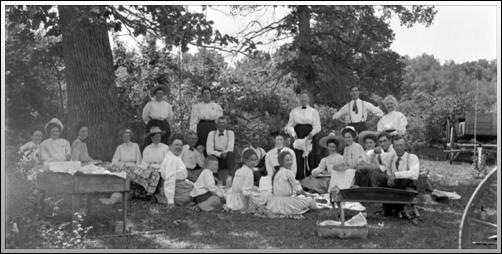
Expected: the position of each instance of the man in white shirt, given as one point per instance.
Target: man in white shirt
(220, 143)
(259, 171)
(399, 170)
(377, 161)
(357, 111)
(192, 157)
(271, 159)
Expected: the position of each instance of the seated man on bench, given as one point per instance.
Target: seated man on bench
(399, 170)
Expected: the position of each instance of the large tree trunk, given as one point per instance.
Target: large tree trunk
(92, 96)
(305, 74)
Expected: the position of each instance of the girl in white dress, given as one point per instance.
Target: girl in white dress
(284, 185)
(352, 154)
(243, 183)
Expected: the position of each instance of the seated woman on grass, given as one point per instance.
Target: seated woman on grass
(326, 166)
(352, 154)
(238, 196)
(284, 185)
(205, 186)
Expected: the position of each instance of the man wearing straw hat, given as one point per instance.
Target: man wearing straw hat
(357, 111)
(158, 113)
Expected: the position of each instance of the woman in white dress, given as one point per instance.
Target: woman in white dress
(393, 122)
(243, 183)
(155, 152)
(322, 185)
(55, 148)
(127, 153)
(352, 154)
(284, 185)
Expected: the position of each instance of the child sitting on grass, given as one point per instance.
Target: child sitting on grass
(242, 185)
(205, 186)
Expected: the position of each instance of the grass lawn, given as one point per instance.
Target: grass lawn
(439, 228)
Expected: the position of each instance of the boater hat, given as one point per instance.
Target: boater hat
(364, 134)
(155, 130)
(162, 87)
(340, 142)
(349, 128)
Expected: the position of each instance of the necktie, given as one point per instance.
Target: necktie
(304, 107)
(191, 149)
(221, 134)
(279, 151)
(397, 163)
(354, 107)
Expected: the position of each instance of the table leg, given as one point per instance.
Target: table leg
(75, 208)
(342, 214)
(89, 204)
(124, 210)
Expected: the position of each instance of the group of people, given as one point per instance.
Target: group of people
(194, 172)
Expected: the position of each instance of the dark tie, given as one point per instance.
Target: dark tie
(397, 163)
(191, 149)
(304, 107)
(278, 151)
(354, 107)
(221, 134)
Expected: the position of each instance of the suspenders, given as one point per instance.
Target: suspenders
(363, 119)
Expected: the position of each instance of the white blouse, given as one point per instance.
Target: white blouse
(272, 160)
(192, 158)
(393, 121)
(242, 187)
(55, 150)
(304, 116)
(172, 169)
(327, 163)
(157, 110)
(127, 153)
(204, 111)
(153, 155)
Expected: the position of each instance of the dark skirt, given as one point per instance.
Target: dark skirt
(203, 129)
(163, 125)
(302, 131)
(361, 126)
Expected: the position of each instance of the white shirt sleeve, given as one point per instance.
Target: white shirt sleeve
(231, 141)
(116, 156)
(374, 110)
(210, 144)
(269, 165)
(138, 154)
(168, 173)
(291, 123)
(414, 169)
(294, 167)
(316, 126)
(343, 111)
(247, 187)
(146, 112)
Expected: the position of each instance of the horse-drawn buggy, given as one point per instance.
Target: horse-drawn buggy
(476, 133)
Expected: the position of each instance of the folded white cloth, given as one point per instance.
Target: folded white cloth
(304, 145)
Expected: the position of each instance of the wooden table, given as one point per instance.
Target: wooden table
(83, 184)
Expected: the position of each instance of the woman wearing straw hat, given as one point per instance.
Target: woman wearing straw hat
(322, 178)
(127, 153)
(353, 153)
(155, 152)
(158, 113)
(304, 123)
(55, 148)
(203, 117)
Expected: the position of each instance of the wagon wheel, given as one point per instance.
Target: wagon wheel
(474, 229)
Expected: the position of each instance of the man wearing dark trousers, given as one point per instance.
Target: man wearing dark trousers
(220, 143)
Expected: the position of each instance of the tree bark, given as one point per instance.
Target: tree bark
(89, 73)
(305, 74)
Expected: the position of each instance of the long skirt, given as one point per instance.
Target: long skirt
(181, 193)
(289, 205)
(163, 125)
(302, 131)
(203, 129)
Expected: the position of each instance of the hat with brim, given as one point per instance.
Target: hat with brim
(53, 122)
(364, 134)
(155, 130)
(340, 142)
(162, 87)
(349, 128)
(213, 203)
